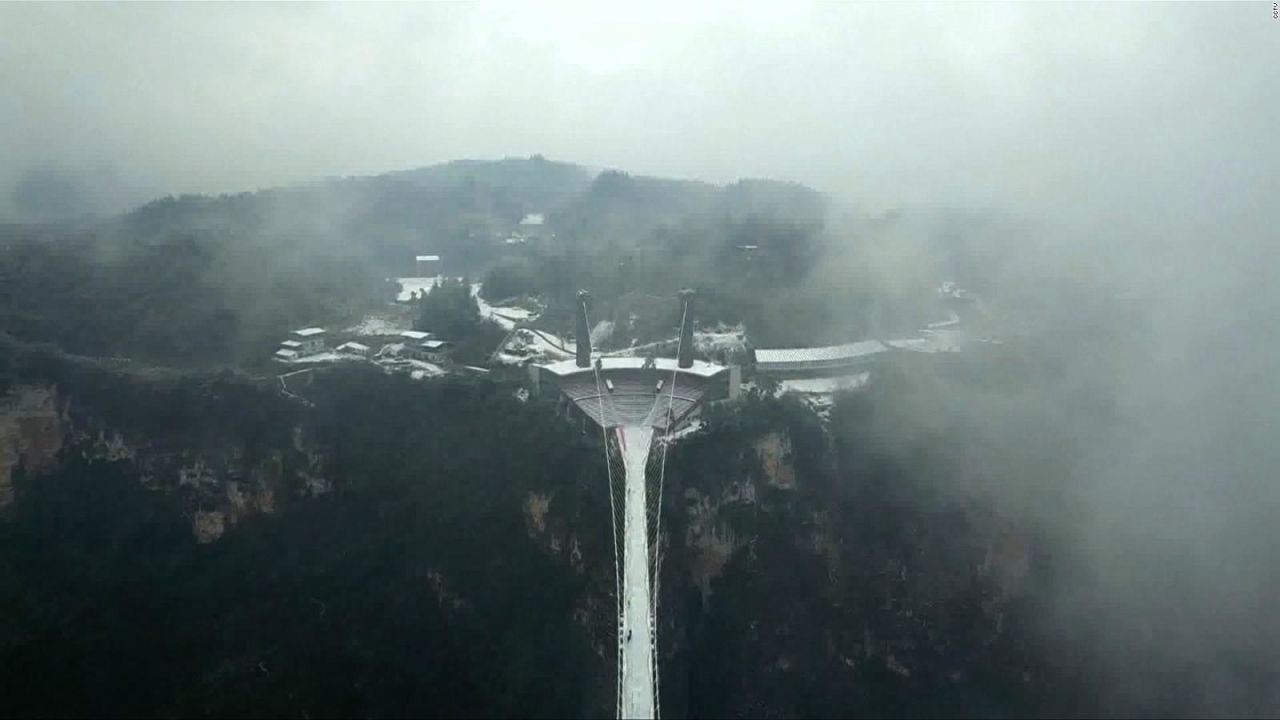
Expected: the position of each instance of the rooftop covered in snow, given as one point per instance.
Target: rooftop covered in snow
(531, 219)
(830, 355)
(428, 258)
(308, 332)
(825, 386)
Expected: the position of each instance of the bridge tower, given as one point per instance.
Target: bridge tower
(583, 332)
(685, 357)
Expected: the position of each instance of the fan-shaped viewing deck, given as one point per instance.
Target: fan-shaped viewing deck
(626, 392)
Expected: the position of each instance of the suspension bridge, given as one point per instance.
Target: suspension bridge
(636, 403)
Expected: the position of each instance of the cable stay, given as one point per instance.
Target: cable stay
(617, 550)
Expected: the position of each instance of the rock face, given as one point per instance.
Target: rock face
(824, 592)
(219, 480)
(31, 433)
(774, 450)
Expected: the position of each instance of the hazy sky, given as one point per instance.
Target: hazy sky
(887, 103)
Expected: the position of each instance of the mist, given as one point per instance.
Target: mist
(1128, 151)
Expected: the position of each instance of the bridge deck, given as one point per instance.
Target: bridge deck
(637, 639)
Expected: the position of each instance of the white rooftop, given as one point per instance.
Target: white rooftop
(287, 354)
(291, 344)
(700, 367)
(825, 386)
(829, 353)
(434, 344)
(428, 258)
(532, 219)
(308, 332)
(415, 335)
(920, 344)
(359, 347)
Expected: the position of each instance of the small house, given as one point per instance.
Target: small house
(308, 340)
(427, 265)
(354, 348)
(532, 226)
(416, 336)
(285, 355)
(433, 350)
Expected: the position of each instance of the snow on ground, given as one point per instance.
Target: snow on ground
(379, 325)
(685, 431)
(418, 369)
(508, 316)
(324, 357)
(409, 285)
(601, 332)
(920, 344)
(721, 340)
(945, 340)
(949, 322)
(391, 350)
(536, 345)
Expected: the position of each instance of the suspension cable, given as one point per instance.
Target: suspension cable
(657, 521)
(613, 522)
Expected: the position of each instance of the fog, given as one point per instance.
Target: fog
(1135, 146)
(1050, 106)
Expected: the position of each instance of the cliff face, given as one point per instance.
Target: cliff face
(219, 479)
(793, 586)
(796, 580)
(31, 433)
(433, 576)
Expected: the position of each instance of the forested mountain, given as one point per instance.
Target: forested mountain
(200, 281)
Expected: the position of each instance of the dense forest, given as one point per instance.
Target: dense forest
(200, 281)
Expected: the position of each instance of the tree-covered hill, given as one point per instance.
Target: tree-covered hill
(204, 281)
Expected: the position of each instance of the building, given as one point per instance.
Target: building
(427, 265)
(434, 350)
(306, 341)
(819, 361)
(428, 350)
(354, 348)
(285, 355)
(416, 336)
(634, 391)
(532, 226)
